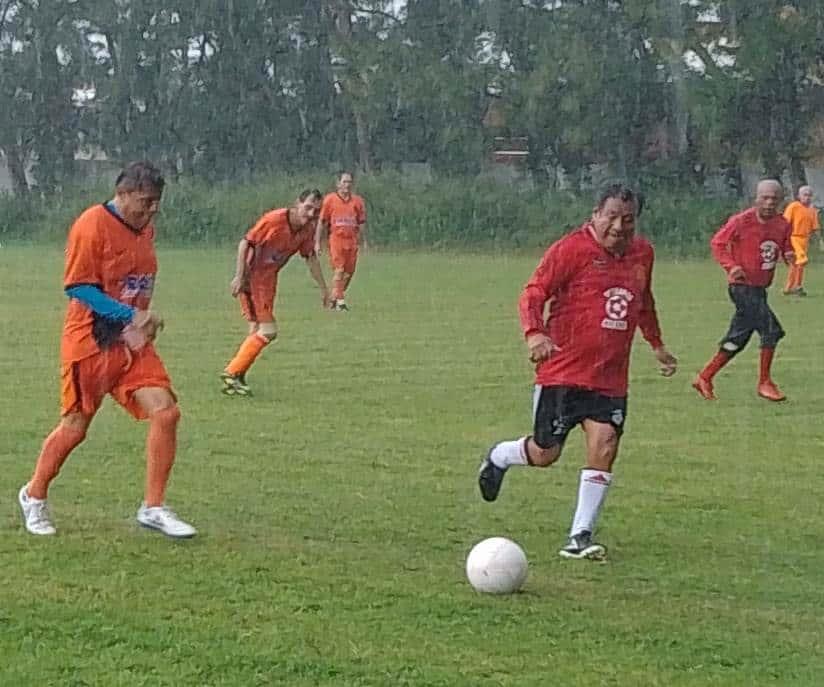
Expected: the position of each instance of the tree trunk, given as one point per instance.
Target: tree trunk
(16, 159)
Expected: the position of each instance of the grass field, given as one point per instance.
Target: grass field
(337, 506)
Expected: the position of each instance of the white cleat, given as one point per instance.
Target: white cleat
(164, 519)
(36, 516)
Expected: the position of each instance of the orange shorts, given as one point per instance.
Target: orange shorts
(800, 245)
(343, 253)
(258, 305)
(116, 371)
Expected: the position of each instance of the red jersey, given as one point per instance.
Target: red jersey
(753, 245)
(105, 252)
(273, 241)
(344, 216)
(596, 300)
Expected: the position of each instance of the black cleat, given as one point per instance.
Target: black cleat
(490, 478)
(581, 546)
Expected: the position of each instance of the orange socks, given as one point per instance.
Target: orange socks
(247, 354)
(56, 448)
(161, 445)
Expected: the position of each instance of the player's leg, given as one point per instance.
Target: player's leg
(83, 386)
(337, 259)
(258, 309)
(144, 390)
(541, 449)
(350, 261)
(771, 333)
(735, 340)
(800, 245)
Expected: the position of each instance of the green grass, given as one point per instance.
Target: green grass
(337, 506)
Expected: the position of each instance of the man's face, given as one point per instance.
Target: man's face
(767, 199)
(614, 224)
(345, 184)
(307, 211)
(805, 196)
(138, 207)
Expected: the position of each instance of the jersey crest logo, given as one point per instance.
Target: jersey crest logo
(617, 308)
(769, 255)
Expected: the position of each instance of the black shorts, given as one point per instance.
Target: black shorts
(560, 408)
(752, 314)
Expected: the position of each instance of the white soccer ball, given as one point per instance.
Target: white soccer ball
(496, 566)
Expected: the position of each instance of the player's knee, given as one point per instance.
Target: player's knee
(76, 424)
(733, 347)
(543, 456)
(267, 331)
(168, 416)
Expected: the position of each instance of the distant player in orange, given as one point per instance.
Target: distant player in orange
(107, 348)
(265, 249)
(343, 216)
(803, 218)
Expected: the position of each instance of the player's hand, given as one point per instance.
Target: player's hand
(237, 285)
(142, 329)
(540, 347)
(737, 273)
(667, 361)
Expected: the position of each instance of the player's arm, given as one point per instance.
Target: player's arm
(651, 329)
(721, 247)
(362, 225)
(552, 272)
(321, 232)
(787, 250)
(316, 271)
(240, 282)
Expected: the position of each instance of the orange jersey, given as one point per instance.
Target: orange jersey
(273, 241)
(343, 216)
(105, 252)
(804, 220)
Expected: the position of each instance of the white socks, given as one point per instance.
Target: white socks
(592, 491)
(509, 453)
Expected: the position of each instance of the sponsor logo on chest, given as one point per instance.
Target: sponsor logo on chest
(137, 285)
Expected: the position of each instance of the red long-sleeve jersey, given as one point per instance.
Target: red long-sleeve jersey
(753, 245)
(596, 301)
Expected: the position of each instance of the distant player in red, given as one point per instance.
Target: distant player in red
(261, 254)
(748, 247)
(107, 348)
(343, 216)
(597, 281)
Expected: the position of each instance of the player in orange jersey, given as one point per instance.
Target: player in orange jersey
(803, 218)
(343, 216)
(265, 249)
(106, 346)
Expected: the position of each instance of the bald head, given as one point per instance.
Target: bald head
(768, 196)
(805, 196)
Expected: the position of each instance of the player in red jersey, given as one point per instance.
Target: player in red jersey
(106, 347)
(598, 283)
(748, 248)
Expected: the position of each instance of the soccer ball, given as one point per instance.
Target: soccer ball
(496, 566)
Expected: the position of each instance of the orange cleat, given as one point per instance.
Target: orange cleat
(704, 387)
(770, 391)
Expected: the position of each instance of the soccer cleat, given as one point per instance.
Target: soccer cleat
(235, 385)
(581, 546)
(164, 519)
(490, 477)
(770, 391)
(800, 291)
(704, 387)
(36, 516)
(340, 306)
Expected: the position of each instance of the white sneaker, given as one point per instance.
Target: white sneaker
(165, 520)
(36, 514)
